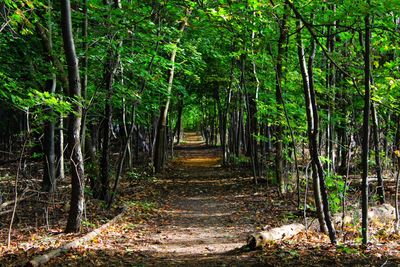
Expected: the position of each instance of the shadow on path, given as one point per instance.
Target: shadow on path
(204, 221)
(206, 214)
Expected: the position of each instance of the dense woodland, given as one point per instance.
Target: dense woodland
(304, 94)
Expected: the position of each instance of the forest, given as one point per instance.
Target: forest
(199, 132)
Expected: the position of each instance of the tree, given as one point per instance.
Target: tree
(365, 140)
(160, 138)
(74, 126)
(111, 66)
(279, 100)
(321, 201)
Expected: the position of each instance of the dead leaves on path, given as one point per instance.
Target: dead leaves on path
(227, 203)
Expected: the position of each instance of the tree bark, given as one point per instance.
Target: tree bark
(312, 122)
(365, 139)
(110, 71)
(76, 159)
(378, 166)
(85, 61)
(49, 173)
(178, 126)
(160, 138)
(310, 128)
(279, 102)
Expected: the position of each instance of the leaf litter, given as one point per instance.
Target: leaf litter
(197, 213)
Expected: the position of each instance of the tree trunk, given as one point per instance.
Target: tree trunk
(279, 102)
(49, 173)
(159, 144)
(60, 150)
(221, 122)
(111, 68)
(76, 159)
(312, 122)
(107, 125)
(330, 84)
(365, 140)
(310, 129)
(378, 168)
(121, 160)
(84, 82)
(178, 126)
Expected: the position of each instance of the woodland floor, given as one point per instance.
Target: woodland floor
(196, 214)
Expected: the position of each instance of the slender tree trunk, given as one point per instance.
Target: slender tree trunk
(253, 107)
(178, 126)
(76, 159)
(110, 71)
(315, 152)
(159, 147)
(312, 121)
(107, 125)
(121, 159)
(221, 123)
(380, 188)
(365, 140)
(312, 138)
(397, 219)
(279, 101)
(330, 84)
(60, 150)
(84, 82)
(51, 170)
(49, 174)
(125, 129)
(248, 127)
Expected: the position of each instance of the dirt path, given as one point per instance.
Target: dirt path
(203, 203)
(206, 214)
(197, 214)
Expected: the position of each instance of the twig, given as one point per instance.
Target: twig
(16, 189)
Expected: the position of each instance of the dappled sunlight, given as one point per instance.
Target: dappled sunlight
(199, 162)
(187, 181)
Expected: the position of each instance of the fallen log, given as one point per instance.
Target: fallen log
(258, 240)
(42, 259)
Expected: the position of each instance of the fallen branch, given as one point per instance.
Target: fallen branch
(258, 240)
(378, 214)
(21, 198)
(5, 212)
(42, 259)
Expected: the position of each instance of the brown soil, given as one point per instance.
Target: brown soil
(204, 218)
(198, 213)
